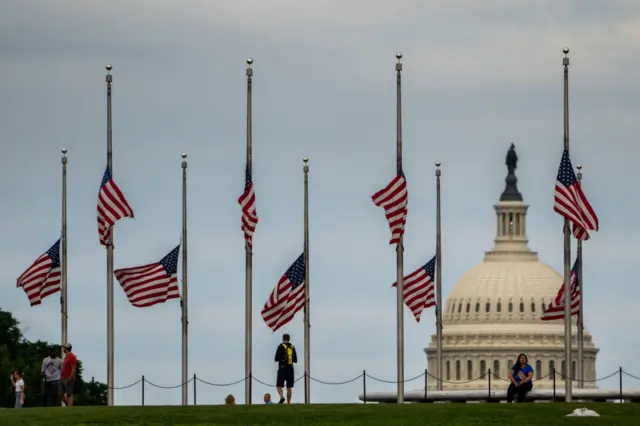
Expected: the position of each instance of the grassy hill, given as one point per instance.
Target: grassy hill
(313, 415)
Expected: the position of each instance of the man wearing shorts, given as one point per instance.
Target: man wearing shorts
(285, 357)
(68, 375)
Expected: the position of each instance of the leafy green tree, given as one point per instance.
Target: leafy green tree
(18, 352)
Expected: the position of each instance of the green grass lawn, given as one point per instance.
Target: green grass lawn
(301, 415)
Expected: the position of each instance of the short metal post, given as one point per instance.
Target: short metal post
(554, 384)
(194, 388)
(364, 386)
(142, 390)
(620, 374)
(489, 385)
(426, 383)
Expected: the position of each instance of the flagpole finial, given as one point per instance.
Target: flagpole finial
(438, 172)
(184, 159)
(399, 62)
(565, 60)
(399, 56)
(305, 159)
(109, 67)
(64, 155)
(579, 175)
(249, 61)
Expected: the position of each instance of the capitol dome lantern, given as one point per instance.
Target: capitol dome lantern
(493, 312)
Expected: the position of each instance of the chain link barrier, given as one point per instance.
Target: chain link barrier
(485, 377)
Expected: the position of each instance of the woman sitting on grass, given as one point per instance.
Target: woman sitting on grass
(521, 376)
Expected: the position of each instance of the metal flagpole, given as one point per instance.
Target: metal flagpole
(438, 281)
(581, 306)
(184, 302)
(568, 372)
(400, 245)
(307, 313)
(63, 253)
(248, 292)
(110, 327)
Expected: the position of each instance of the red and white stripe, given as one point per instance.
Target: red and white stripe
(283, 304)
(112, 206)
(148, 285)
(418, 291)
(555, 310)
(41, 279)
(249, 218)
(394, 198)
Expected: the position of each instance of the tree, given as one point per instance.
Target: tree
(18, 352)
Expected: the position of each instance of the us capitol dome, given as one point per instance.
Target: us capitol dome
(493, 312)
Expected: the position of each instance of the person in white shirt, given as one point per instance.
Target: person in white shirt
(18, 384)
(51, 367)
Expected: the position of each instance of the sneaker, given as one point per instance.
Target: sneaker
(281, 400)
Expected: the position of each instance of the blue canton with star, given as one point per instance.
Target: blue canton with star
(106, 178)
(566, 176)
(296, 272)
(247, 180)
(54, 254)
(170, 262)
(430, 267)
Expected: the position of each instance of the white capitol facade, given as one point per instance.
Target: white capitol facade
(493, 312)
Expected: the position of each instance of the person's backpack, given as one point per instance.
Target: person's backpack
(288, 354)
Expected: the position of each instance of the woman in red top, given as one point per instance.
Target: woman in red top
(68, 375)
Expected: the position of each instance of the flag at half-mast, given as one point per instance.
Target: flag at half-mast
(287, 297)
(418, 290)
(247, 203)
(393, 199)
(43, 277)
(112, 206)
(151, 284)
(555, 310)
(571, 203)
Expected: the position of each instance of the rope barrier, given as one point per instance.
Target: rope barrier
(365, 375)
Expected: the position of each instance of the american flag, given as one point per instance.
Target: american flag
(393, 198)
(43, 278)
(287, 297)
(571, 203)
(555, 310)
(112, 206)
(247, 203)
(150, 284)
(418, 288)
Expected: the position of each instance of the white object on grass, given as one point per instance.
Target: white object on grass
(583, 412)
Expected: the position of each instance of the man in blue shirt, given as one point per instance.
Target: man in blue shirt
(521, 376)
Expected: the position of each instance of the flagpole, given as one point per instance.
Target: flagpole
(110, 327)
(184, 302)
(438, 280)
(63, 253)
(568, 372)
(400, 245)
(581, 305)
(248, 301)
(307, 313)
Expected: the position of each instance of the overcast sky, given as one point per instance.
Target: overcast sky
(477, 76)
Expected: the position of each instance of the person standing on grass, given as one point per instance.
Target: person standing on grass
(51, 368)
(68, 375)
(18, 384)
(521, 376)
(285, 357)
